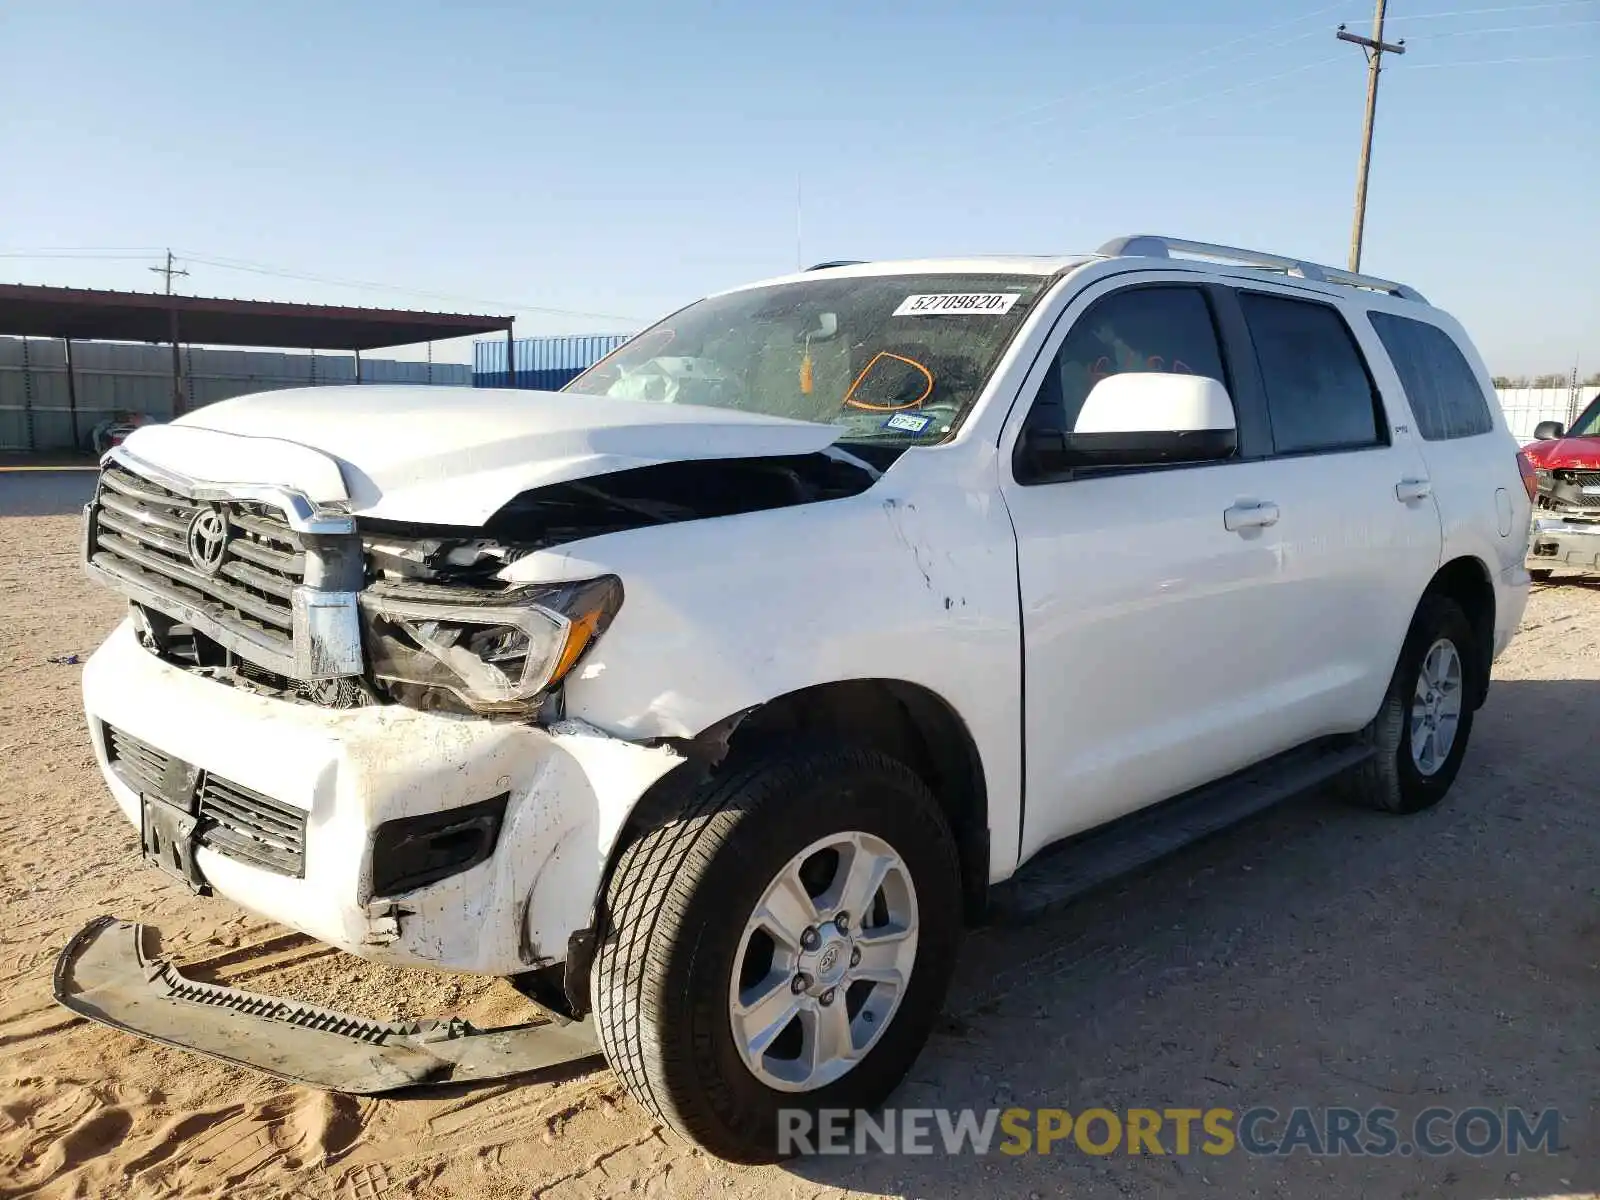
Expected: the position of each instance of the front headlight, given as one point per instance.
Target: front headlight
(489, 651)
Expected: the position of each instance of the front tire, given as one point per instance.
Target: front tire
(783, 942)
(1420, 734)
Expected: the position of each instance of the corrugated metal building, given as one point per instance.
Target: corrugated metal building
(543, 363)
(1526, 407)
(36, 413)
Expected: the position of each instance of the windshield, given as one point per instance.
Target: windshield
(895, 358)
(1587, 425)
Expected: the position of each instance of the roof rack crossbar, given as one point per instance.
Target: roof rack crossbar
(1149, 245)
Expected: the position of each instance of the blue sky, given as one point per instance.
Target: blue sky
(616, 159)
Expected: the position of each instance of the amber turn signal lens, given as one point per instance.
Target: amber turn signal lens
(583, 630)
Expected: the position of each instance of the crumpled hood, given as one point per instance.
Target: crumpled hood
(450, 456)
(1565, 453)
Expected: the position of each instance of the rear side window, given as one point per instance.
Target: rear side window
(1319, 394)
(1445, 395)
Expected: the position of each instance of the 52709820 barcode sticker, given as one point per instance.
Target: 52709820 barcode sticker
(958, 304)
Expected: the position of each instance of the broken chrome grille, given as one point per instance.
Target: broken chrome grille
(157, 537)
(256, 568)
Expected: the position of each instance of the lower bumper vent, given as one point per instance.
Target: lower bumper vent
(234, 820)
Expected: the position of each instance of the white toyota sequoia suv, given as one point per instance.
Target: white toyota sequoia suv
(710, 698)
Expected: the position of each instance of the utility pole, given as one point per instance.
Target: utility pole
(172, 324)
(1374, 48)
(168, 271)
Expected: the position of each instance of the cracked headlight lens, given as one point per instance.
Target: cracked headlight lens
(441, 647)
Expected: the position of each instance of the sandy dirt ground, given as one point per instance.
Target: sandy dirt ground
(1316, 956)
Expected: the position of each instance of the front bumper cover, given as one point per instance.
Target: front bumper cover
(110, 974)
(1557, 543)
(569, 789)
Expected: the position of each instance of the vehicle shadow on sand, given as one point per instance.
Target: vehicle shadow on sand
(45, 493)
(1318, 955)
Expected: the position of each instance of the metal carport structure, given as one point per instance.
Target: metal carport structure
(80, 314)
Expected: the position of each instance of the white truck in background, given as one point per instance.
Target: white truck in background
(709, 698)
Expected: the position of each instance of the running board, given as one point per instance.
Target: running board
(1060, 874)
(108, 973)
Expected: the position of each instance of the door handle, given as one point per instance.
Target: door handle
(1250, 514)
(1409, 490)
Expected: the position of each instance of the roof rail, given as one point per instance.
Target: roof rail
(1148, 245)
(838, 262)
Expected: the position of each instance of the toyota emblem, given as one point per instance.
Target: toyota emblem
(208, 540)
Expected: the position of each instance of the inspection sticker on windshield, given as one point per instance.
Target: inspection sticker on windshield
(908, 422)
(963, 304)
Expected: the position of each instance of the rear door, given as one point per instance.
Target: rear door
(1359, 532)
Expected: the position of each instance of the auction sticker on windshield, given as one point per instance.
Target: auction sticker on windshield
(958, 304)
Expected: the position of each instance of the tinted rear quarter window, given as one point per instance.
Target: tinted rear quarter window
(1446, 398)
(1319, 394)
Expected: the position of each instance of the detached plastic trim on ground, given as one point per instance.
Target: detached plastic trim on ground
(109, 973)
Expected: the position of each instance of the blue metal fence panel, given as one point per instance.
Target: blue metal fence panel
(543, 363)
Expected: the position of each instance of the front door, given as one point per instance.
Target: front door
(1149, 620)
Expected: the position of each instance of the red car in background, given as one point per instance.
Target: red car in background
(1566, 510)
(113, 429)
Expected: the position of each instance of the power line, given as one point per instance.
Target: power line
(1503, 29)
(1169, 81)
(1187, 101)
(1116, 85)
(1504, 62)
(116, 254)
(85, 252)
(70, 257)
(1474, 12)
(254, 268)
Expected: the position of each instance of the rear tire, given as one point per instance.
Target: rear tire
(673, 975)
(1409, 772)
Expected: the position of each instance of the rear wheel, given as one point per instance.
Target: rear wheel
(783, 943)
(1420, 734)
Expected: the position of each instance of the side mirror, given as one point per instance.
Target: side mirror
(1545, 431)
(1146, 417)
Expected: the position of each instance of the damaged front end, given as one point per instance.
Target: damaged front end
(1566, 522)
(428, 802)
(441, 630)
